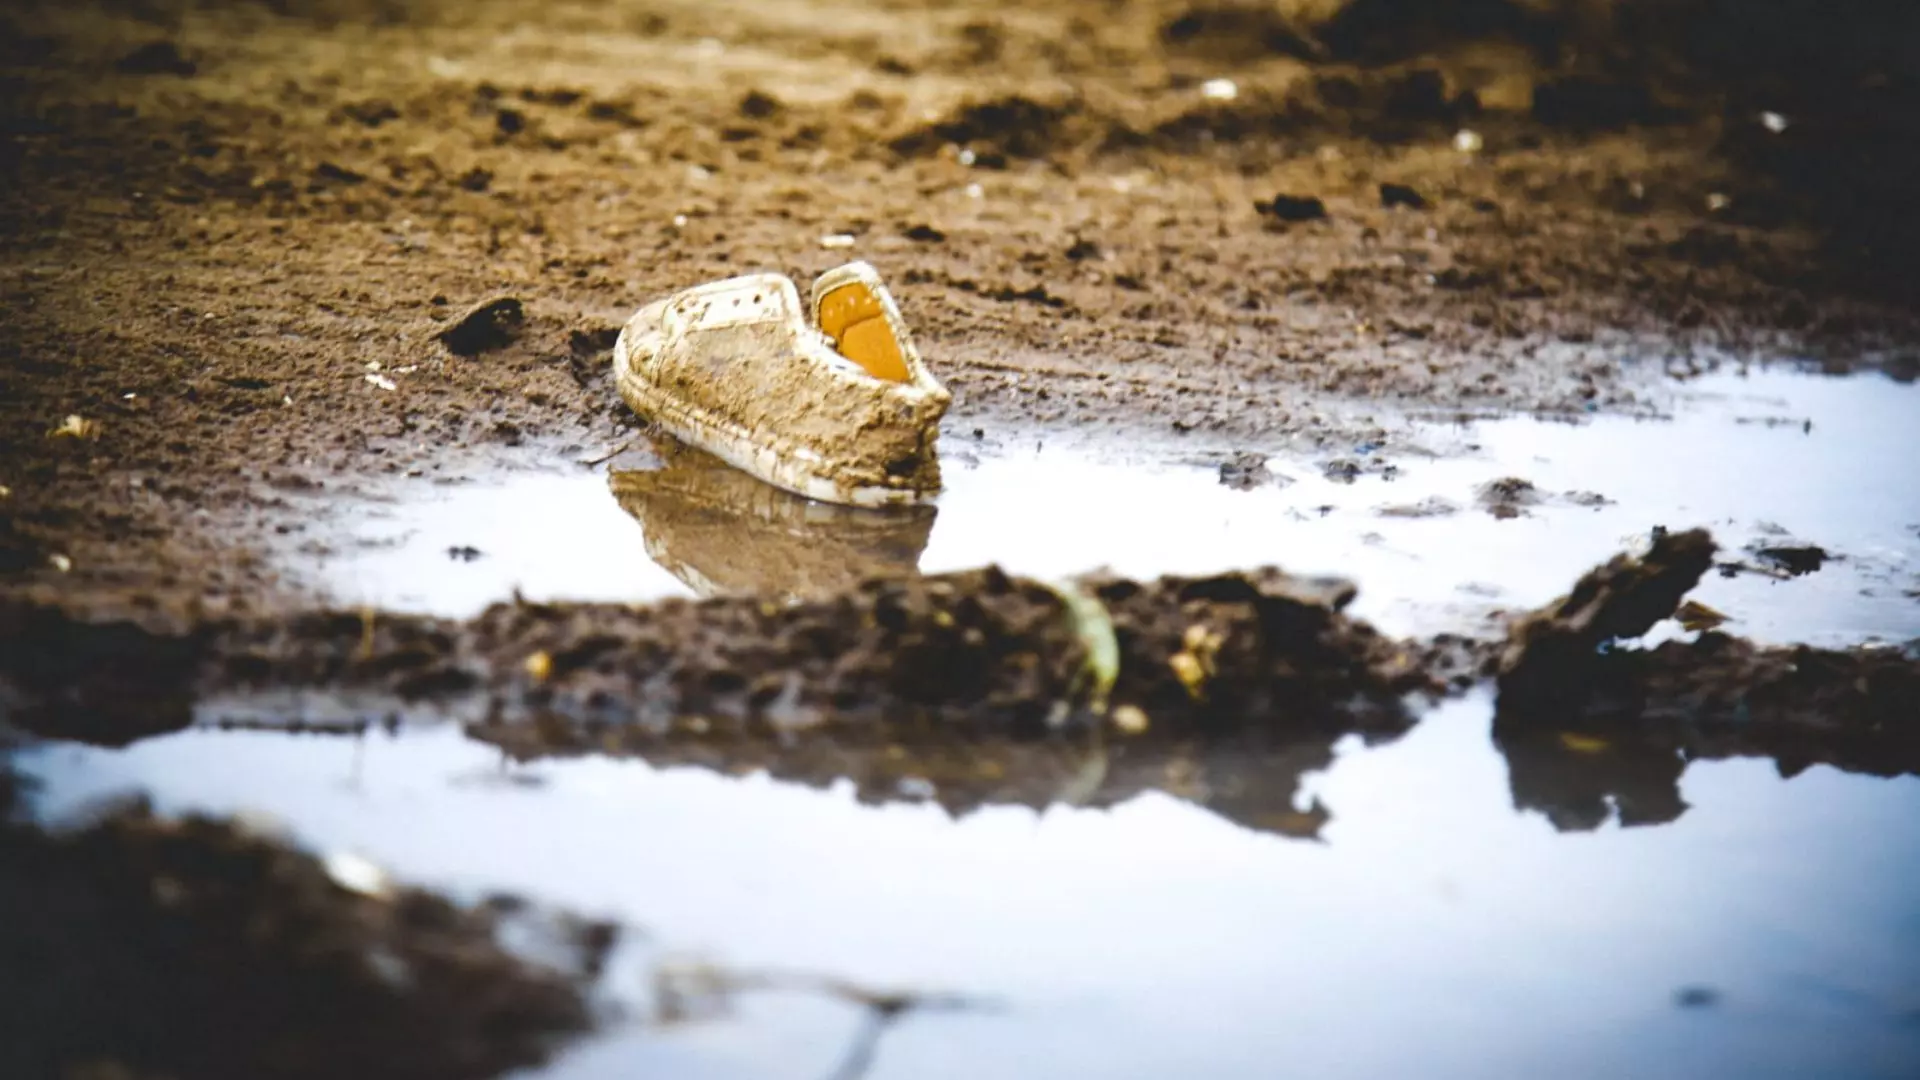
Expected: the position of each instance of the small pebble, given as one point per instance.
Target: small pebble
(1773, 122)
(1293, 208)
(357, 874)
(1468, 141)
(837, 240)
(1392, 195)
(1219, 90)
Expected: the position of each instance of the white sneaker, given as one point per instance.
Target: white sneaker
(838, 407)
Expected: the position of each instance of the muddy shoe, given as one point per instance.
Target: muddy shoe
(844, 412)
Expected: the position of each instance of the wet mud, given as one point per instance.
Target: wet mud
(986, 655)
(1001, 652)
(231, 232)
(263, 258)
(139, 946)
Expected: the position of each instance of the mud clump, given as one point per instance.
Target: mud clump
(1641, 717)
(929, 674)
(1716, 696)
(492, 324)
(997, 653)
(1392, 195)
(1292, 208)
(1267, 648)
(1346, 470)
(107, 680)
(1551, 654)
(139, 946)
(1584, 103)
(1592, 732)
(1793, 560)
(157, 58)
(981, 648)
(1236, 33)
(1855, 709)
(759, 105)
(1013, 127)
(1508, 497)
(1246, 471)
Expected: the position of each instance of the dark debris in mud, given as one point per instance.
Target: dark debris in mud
(493, 324)
(157, 58)
(1292, 208)
(140, 946)
(1793, 560)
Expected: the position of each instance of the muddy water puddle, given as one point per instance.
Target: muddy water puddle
(1445, 904)
(1753, 927)
(1800, 477)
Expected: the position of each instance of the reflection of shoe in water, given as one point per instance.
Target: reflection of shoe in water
(846, 413)
(724, 532)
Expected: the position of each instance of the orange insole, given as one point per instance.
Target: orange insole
(851, 315)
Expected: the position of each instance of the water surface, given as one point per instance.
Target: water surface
(1433, 929)
(1766, 459)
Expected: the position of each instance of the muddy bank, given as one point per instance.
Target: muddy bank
(982, 656)
(999, 652)
(144, 947)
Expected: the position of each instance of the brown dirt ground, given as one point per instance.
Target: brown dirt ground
(218, 215)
